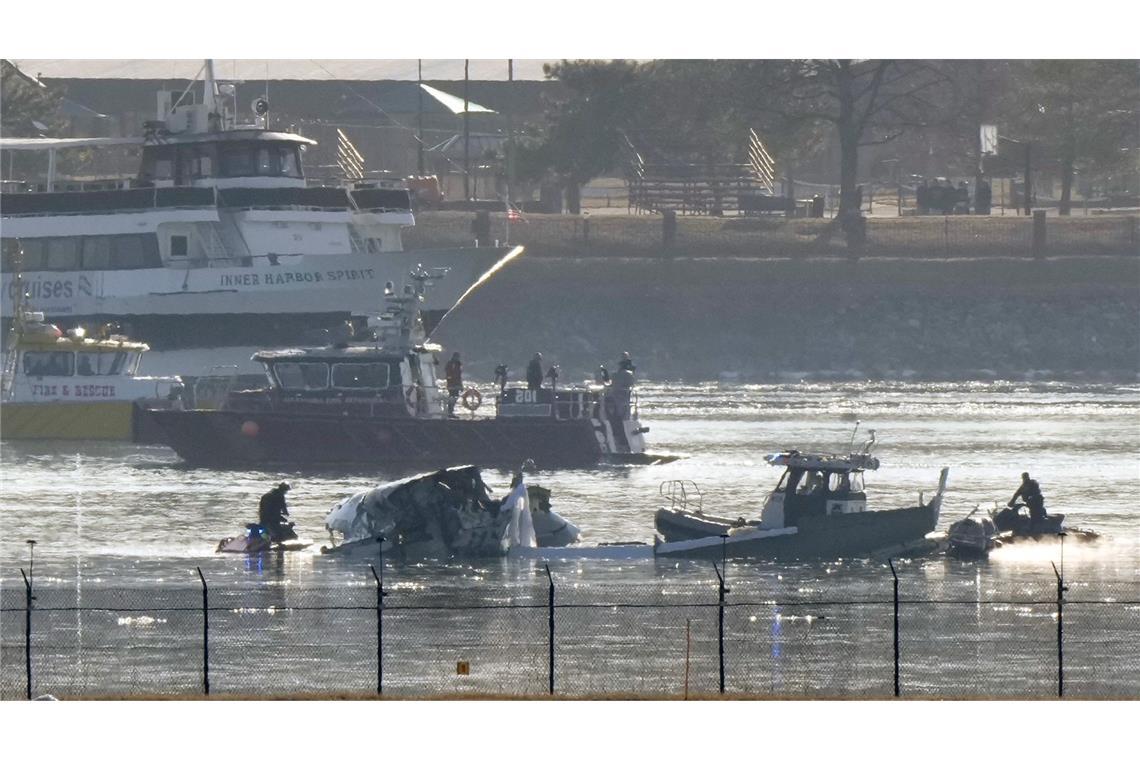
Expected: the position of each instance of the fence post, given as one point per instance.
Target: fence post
(28, 600)
(891, 562)
(1061, 588)
(550, 640)
(720, 622)
(668, 228)
(205, 632)
(1039, 234)
(380, 594)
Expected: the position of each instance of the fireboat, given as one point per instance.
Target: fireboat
(376, 402)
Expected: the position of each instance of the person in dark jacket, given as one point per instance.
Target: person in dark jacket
(983, 197)
(501, 377)
(534, 373)
(963, 198)
(1030, 493)
(272, 514)
(453, 371)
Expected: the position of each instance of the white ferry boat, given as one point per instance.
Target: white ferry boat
(219, 245)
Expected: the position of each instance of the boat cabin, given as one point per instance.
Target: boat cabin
(816, 485)
(45, 364)
(364, 380)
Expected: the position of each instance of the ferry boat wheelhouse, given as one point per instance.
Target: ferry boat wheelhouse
(379, 404)
(219, 241)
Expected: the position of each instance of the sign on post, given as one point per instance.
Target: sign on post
(989, 139)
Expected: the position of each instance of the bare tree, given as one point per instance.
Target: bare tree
(1083, 112)
(869, 102)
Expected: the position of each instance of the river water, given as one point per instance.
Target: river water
(125, 521)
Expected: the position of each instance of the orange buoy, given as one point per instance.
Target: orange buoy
(250, 429)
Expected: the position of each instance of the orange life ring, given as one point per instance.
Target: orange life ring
(472, 399)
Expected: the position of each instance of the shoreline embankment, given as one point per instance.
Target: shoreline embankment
(775, 319)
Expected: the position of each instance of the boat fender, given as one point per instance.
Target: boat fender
(472, 399)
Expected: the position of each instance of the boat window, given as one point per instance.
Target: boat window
(839, 483)
(265, 163)
(11, 251)
(302, 376)
(35, 254)
(856, 482)
(360, 375)
(783, 484)
(63, 253)
(178, 245)
(164, 168)
(812, 483)
(290, 164)
(116, 365)
(135, 252)
(97, 252)
(101, 363)
(237, 161)
(49, 363)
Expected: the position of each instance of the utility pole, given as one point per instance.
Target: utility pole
(510, 151)
(510, 144)
(1028, 179)
(420, 117)
(466, 130)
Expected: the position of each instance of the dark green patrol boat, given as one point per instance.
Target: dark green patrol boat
(818, 510)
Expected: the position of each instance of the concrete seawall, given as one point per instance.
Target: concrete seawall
(765, 319)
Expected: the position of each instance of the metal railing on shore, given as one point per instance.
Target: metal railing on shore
(549, 637)
(670, 235)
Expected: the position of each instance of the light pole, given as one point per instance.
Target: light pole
(31, 559)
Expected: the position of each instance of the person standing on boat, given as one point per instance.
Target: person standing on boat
(1030, 493)
(453, 371)
(501, 377)
(623, 385)
(273, 513)
(534, 373)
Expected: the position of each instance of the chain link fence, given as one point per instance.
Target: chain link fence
(653, 236)
(666, 639)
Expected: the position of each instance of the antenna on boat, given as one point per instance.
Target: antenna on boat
(853, 432)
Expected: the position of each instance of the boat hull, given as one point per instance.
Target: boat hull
(78, 421)
(232, 438)
(681, 525)
(857, 534)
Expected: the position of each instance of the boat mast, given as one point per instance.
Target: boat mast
(210, 91)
